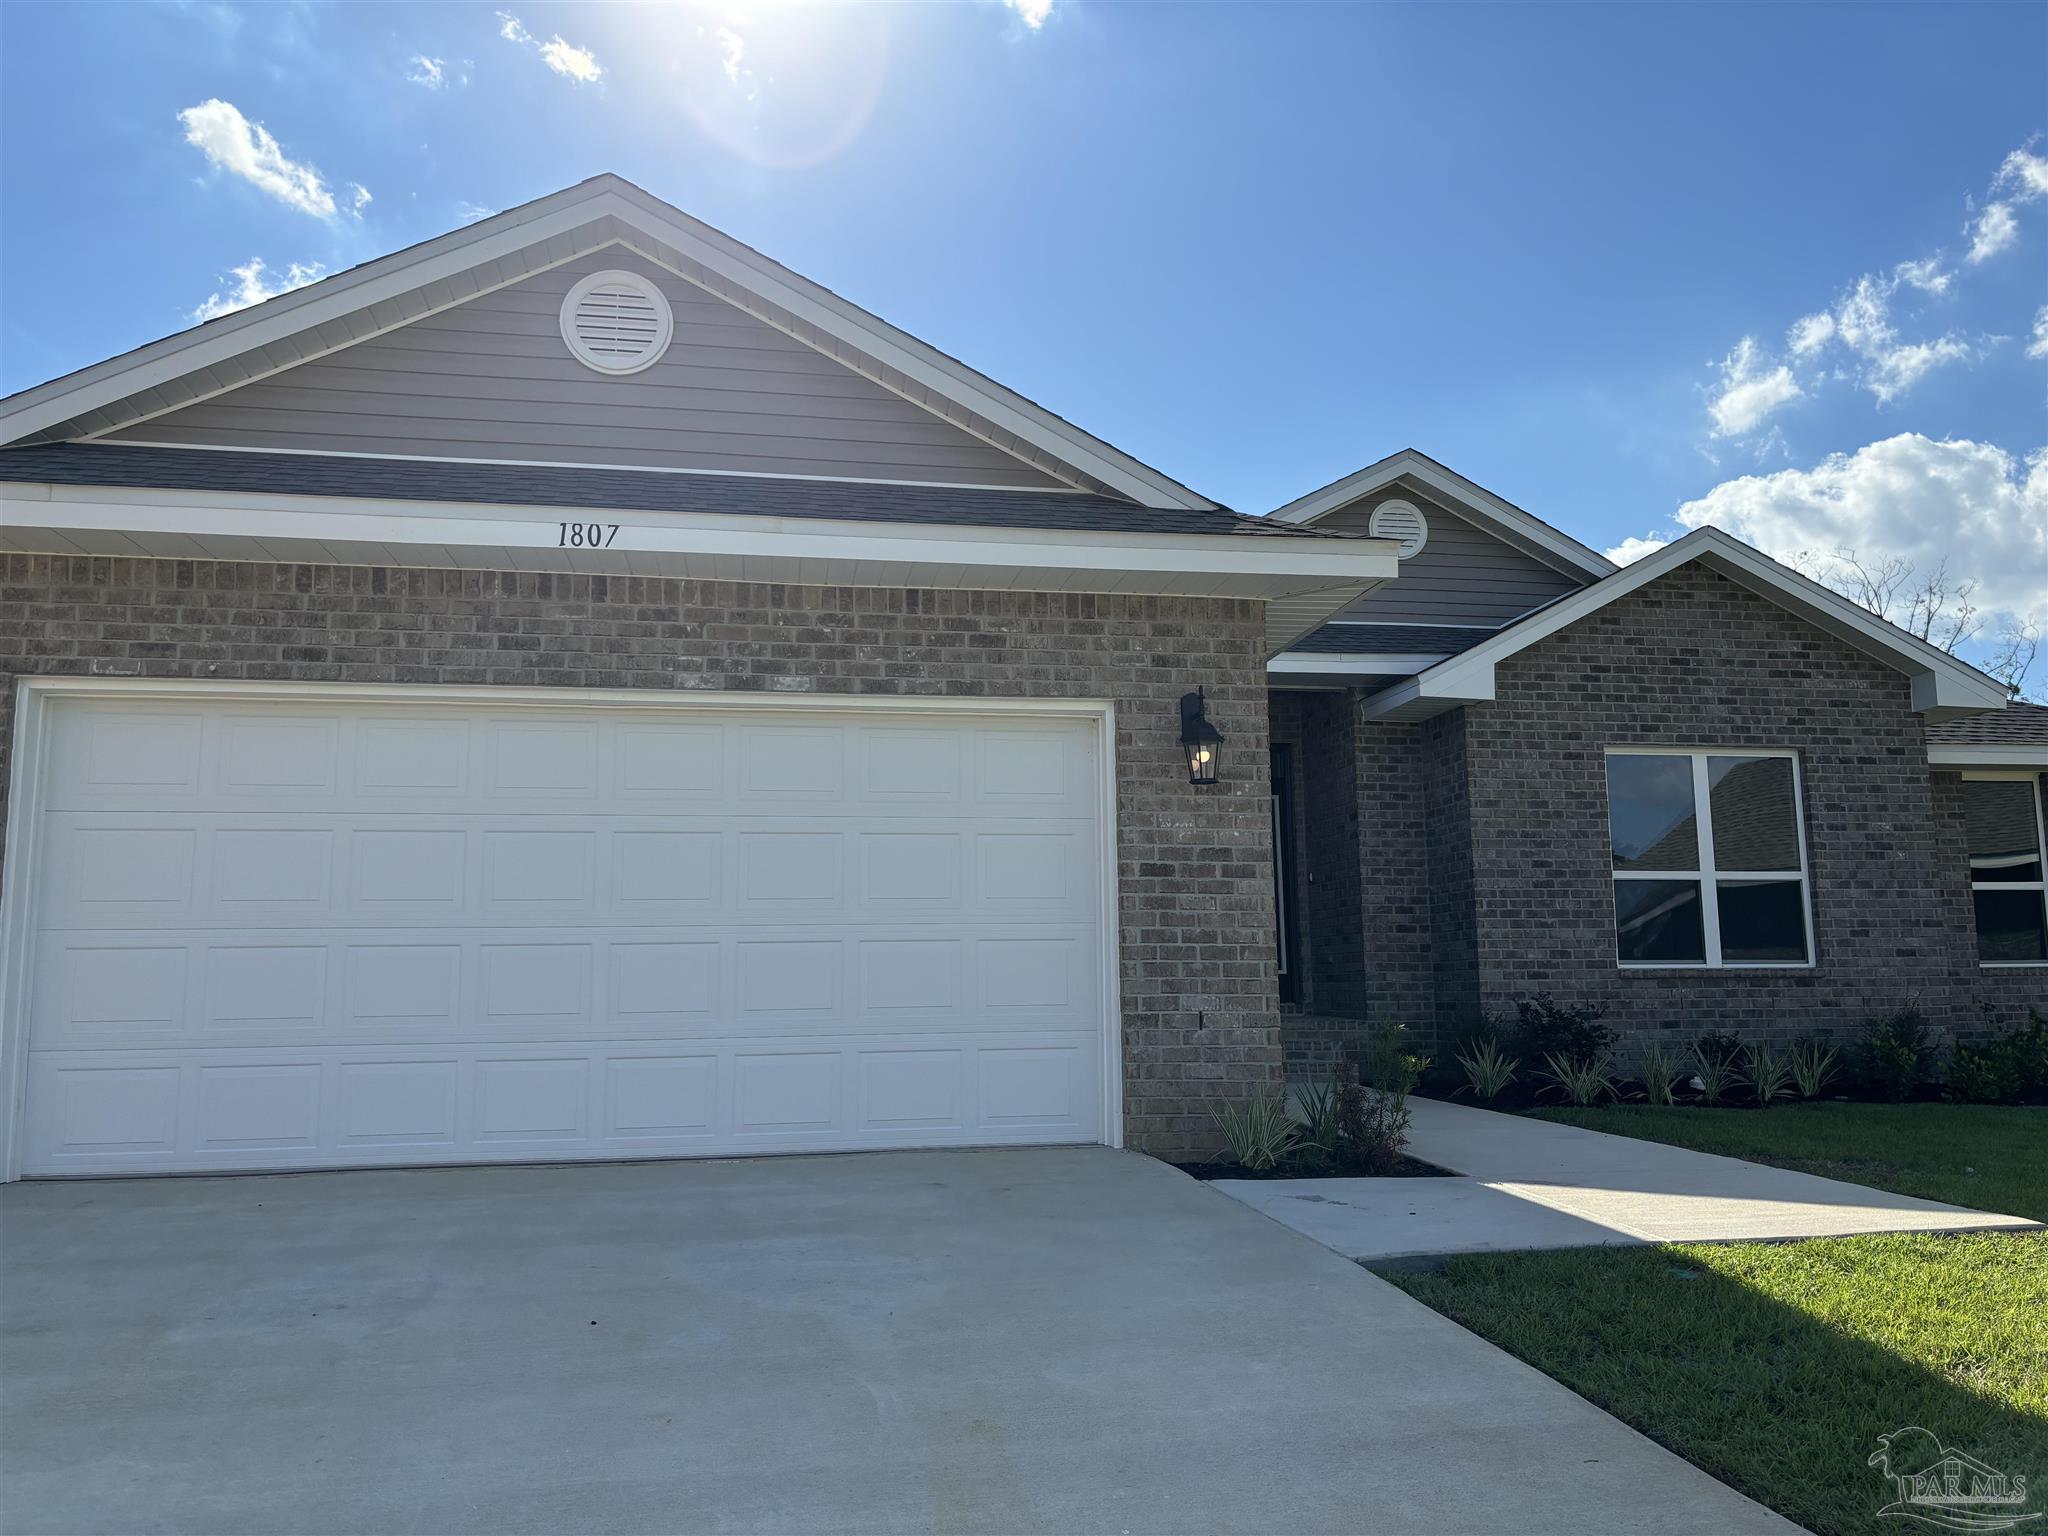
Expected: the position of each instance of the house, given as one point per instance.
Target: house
(575, 688)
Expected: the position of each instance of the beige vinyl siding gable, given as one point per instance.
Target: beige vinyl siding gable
(493, 379)
(1462, 575)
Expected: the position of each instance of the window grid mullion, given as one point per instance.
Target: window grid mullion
(1703, 821)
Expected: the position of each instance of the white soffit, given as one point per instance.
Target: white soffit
(438, 274)
(1943, 687)
(1302, 581)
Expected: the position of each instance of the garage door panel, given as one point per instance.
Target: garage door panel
(352, 934)
(102, 1112)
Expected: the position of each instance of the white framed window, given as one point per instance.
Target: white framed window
(1709, 856)
(2008, 857)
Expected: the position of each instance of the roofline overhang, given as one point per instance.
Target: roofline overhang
(1359, 663)
(395, 290)
(1302, 581)
(1942, 687)
(1959, 754)
(1523, 529)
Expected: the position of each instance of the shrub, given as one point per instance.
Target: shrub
(1896, 1053)
(1579, 1082)
(1984, 1075)
(1258, 1133)
(1372, 1127)
(1659, 1072)
(1765, 1073)
(1812, 1064)
(1713, 1064)
(1488, 1069)
(1545, 1028)
(2008, 1070)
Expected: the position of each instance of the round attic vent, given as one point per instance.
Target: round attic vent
(1400, 520)
(616, 322)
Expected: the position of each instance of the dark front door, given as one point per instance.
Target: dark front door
(1286, 929)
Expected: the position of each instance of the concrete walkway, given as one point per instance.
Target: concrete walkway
(1059, 1339)
(1534, 1184)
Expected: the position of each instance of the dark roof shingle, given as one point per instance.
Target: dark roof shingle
(2016, 725)
(618, 490)
(1349, 639)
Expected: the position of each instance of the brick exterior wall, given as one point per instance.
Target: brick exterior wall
(1200, 1010)
(1694, 660)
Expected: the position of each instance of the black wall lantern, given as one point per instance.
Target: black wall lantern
(1202, 742)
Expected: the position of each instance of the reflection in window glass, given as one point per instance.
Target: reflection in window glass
(1708, 863)
(1756, 825)
(1659, 922)
(1650, 812)
(2010, 926)
(2004, 836)
(1763, 922)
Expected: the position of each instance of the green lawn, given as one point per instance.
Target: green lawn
(1978, 1155)
(1776, 1366)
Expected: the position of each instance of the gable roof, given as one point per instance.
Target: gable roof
(1524, 530)
(1943, 687)
(392, 291)
(2015, 737)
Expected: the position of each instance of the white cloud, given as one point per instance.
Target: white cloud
(359, 198)
(430, 73)
(2024, 174)
(233, 143)
(2037, 345)
(1751, 389)
(1971, 505)
(253, 284)
(564, 58)
(470, 212)
(732, 48)
(1810, 334)
(1032, 13)
(1925, 275)
(1630, 550)
(1993, 232)
(1863, 322)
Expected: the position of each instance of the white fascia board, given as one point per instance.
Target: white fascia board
(814, 550)
(219, 342)
(1372, 664)
(1942, 687)
(1947, 754)
(1462, 494)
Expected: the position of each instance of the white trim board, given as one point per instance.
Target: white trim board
(1303, 581)
(1465, 497)
(1943, 687)
(1365, 664)
(2029, 757)
(34, 695)
(394, 290)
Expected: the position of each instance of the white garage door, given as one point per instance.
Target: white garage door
(292, 933)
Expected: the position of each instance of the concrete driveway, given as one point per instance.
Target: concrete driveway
(1063, 1340)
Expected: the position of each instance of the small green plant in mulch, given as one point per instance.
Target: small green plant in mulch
(1259, 1133)
(1812, 1064)
(1897, 1054)
(1714, 1059)
(1580, 1081)
(1658, 1070)
(1489, 1070)
(1764, 1074)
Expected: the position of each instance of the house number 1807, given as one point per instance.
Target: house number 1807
(587, 535)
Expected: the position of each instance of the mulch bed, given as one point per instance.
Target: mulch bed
(1408, 1168)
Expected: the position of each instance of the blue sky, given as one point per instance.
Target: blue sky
(1778, 267)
